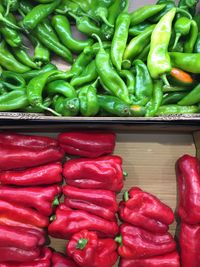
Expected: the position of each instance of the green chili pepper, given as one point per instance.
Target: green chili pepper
(143, 83)
(35, 88)
(12, 80)
(192, 98)
(145, 12)
(24, 57)
(138, 43)
(176, 110)
(120, 39)
(156, 100)
(186, 61)
(37, 14)
(60, 75)
(144, 54)
(110, 79)
(101, 11)
(191, 40)
(129, 78)
(61, 87)
(5, 21)
(158, 60)
(48, 38)
(25, 6)
(80, 63)
(88, 100)
(88, 75)
(13, 100)
(188, 5)
(113, 105)
(66, 106)
(41, 53)
(170, 88)
(63, 29)
(94, 49)
(9, 62)
(173, 98)
(86, 5)
(139, 28)
(11, 5)
(197, 44)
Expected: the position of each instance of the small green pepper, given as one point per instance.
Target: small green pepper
(61, 87)
(80, 63)
(41, 53)
(167, 110)
(66, 106)
(13, 100)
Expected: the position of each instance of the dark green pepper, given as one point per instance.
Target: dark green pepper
(197, 44)
(11, 5)
(12, 80)
(139, 28)
(129, 78)
(192, 98)
(13, 100)
(173, 98)
(188, 5)
(5, 21)
(61, 87)
(66, 106)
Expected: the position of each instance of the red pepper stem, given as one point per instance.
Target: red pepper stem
(126, 196)
(165, 81)
(55, 202)
(52, 218)
(82, 243)
(118, 239)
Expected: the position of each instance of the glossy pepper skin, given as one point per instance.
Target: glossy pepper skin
(138, 243)
(69, 222)
(13, 100)
(188, 178)
(42, 175)
(59, 260)
(91, 144)
(12, 254)
(96, 201)
(189, 241)
(103, 172)
(13, 157)
(191, 98)
(167, 260)
(41, 199)
(88, 250)
(144, 210)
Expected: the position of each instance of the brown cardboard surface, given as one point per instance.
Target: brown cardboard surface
(149, 160)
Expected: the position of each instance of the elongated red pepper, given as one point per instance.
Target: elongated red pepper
(167, 260)
(20, 237)
(22, 214)
(138, 243)
(91, 144)
(13, 157)
(188, 178)
(60, 260)
(28, 141)
(145, 210)
(189, 241)
(12, 254)
(39, 198)
(90, 251)
(100, 173)
(43, 175)
(69, 222)
(97, 201)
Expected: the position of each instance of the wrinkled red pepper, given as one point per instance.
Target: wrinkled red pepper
(13, 157)
(188, 178)
(145, 210)
(97, 201)
(40, 198)
(91, 144)
(59, 260)
(22, 214)
(12, 254)
(137, 243)
(100, 173)
(90, 251)
(68, 222)
(189, 241)
(28, 141)
(20, 237)
(43, 175)
(167, 260)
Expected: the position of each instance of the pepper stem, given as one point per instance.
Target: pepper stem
(8, 23)
(165, 81)
(52, 218)
(184, 12)
(7, 8)
(178, 35)
(49, 109)
(118, 239)
(55, 202)
(126, 196)
(99, 40)
(125, 174)
(82, 243)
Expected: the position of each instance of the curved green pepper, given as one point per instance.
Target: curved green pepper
(192, 98)
(129, 79)
(12, 81)
(41, 53)
(173, 98)
(13, 100)
(139, 28)
(61, 87)
(24, 57)
(186, 61)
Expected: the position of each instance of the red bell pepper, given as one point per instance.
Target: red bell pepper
(68, 222)
(59, 260)
(91, 144)
(137, 243)
(13, 157)
(20, 237)
(22, 214)
(28, 141)
(188, 178)
(100, 173)
(189, 241)
(167, 260)
(145, 210)
(12, 254)
(99, 202)
(39, 198)
(90, 251)
(43, 175)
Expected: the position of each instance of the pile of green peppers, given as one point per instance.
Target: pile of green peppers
(143, 63)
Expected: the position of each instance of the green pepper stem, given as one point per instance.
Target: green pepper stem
(49, 109)
(55, 202)
(99, 40)
(118, 239)
(184, 12)
(126, 196)
(7, 8)
(125, 174)
(81, 243)
(178, 35)
(165, 81)
(106, 21)
(8, 23)
(52, 218)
